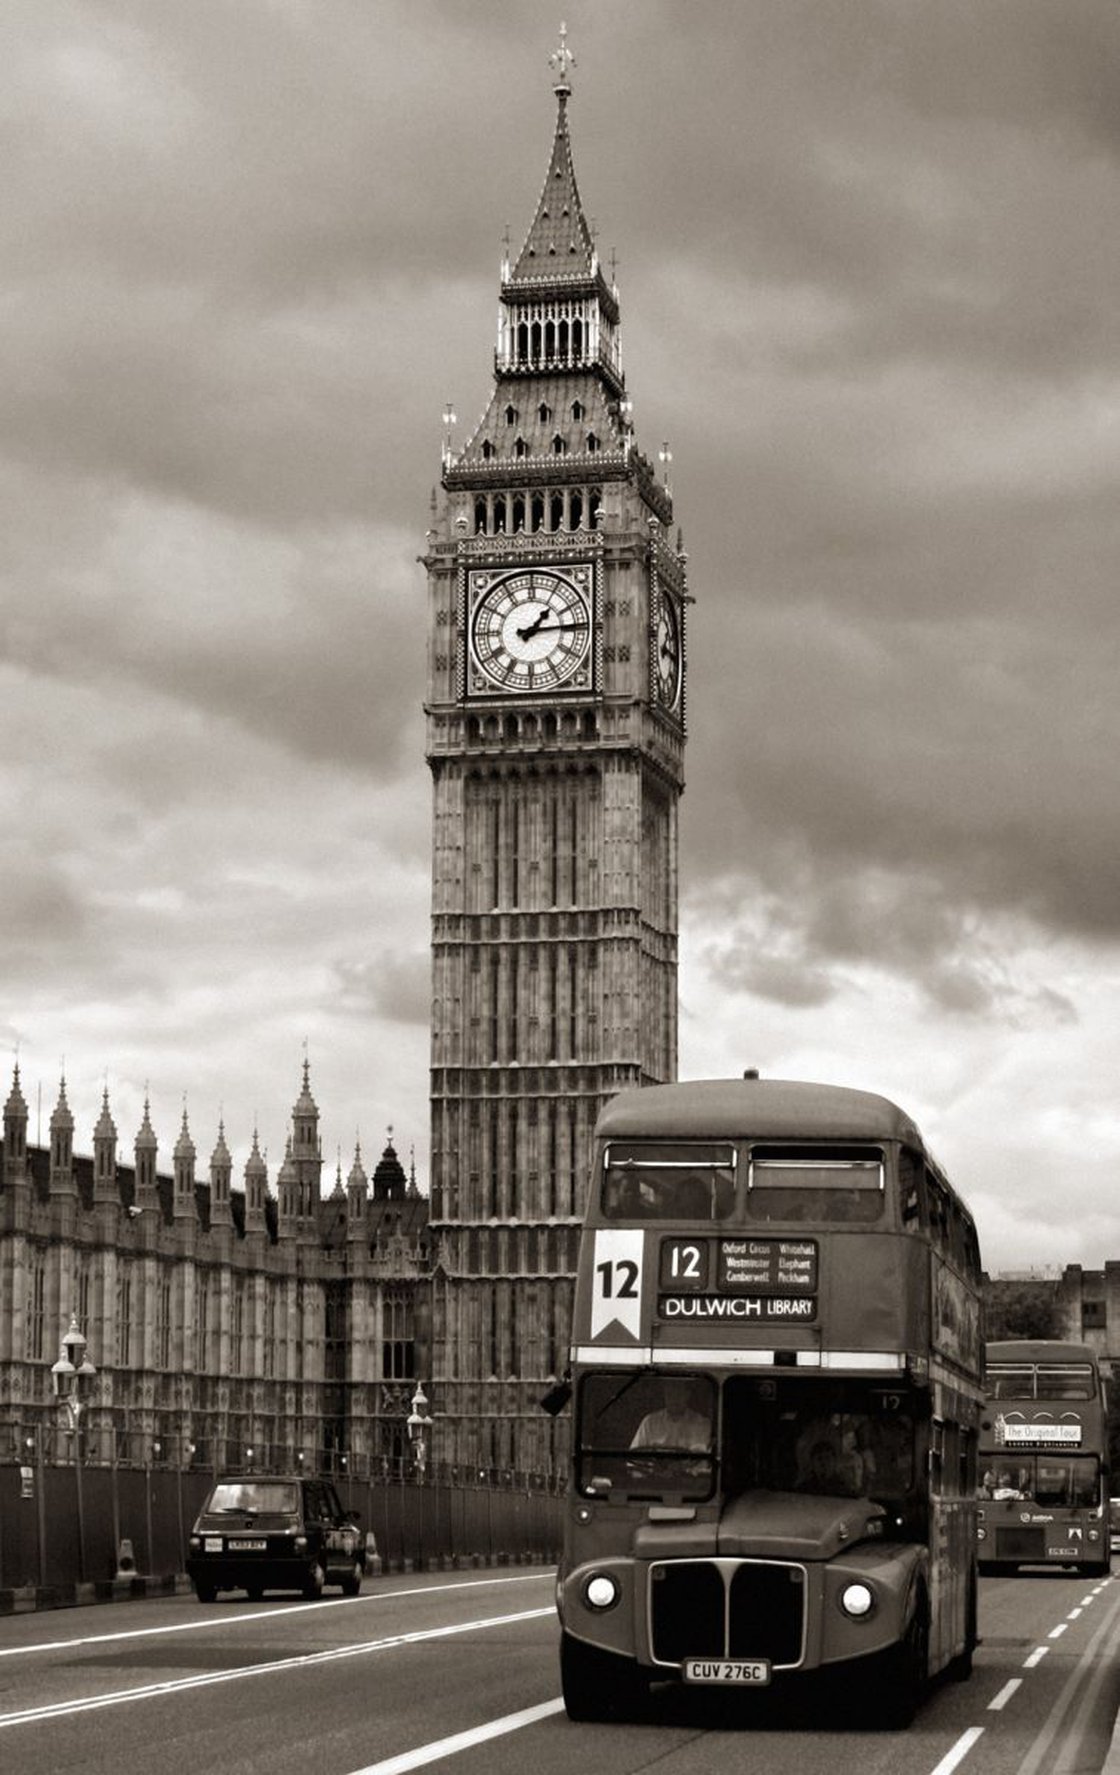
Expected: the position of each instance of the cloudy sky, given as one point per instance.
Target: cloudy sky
(868, 258)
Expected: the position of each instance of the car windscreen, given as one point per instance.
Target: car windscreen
(267, 1496)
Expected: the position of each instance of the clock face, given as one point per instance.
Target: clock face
(668, 653)
(530, 629)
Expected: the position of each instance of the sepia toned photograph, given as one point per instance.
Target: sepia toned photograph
(560, 1151)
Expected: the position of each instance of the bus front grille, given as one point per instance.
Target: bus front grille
(1021, 1543)
(728, 1608)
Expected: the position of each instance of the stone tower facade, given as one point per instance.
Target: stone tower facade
(555, 736)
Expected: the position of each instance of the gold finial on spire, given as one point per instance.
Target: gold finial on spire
(562, 59)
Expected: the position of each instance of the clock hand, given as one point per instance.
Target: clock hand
(548, 628)
(533, 628)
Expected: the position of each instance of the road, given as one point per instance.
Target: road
(459, 1673)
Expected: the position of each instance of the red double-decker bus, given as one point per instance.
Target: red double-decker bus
(776, 1368)
(1044, 1483)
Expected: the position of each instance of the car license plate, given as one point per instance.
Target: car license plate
(244, 1546)
(754, 1671)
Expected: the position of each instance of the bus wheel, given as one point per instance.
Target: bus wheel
(904, 1672)
(600, 1685)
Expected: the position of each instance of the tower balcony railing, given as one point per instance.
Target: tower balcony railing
(508, 363)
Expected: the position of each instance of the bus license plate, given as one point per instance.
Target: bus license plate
(247, 1546)
(727, 1670)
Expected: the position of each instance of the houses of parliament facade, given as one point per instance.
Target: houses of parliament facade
(226, 1317)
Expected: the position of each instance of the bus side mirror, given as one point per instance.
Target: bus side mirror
(556, 1398)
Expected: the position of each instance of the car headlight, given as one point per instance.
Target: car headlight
(981, 1534)
(857, 1601)
(601, 1592)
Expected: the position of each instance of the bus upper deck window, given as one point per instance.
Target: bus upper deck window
(649, 1180)
(1070, 1381)
(1007, 1381)
(834, 1185)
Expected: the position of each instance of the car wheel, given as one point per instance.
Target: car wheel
(205, 1590)
(313, 1582)
(254, 1592)
(352, 1583)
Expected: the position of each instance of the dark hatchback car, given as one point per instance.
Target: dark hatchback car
(274, 1532)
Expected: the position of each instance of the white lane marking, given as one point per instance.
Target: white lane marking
(280, 1612)
(959, 1751)
(448, 1747)
(1059, 1743)
(1036, 1657)
(177, 1685)
(1073, 1614)
(1056, 1632)
(999, 1702)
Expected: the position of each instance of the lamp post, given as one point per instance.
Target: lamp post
(72, 1375)
(419, 1423)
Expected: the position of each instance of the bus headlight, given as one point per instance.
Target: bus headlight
(857, 1600)
(601, 1591)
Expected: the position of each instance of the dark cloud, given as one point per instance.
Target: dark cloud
(867, 259)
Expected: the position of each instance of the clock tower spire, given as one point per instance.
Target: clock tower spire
(555, 736)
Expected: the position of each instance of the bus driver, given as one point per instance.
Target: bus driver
(676, 1424)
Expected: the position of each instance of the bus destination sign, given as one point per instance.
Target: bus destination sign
(780, 1266)
(739, 1280)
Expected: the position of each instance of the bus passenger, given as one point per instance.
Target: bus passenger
(829, 1459)
(676, 1424)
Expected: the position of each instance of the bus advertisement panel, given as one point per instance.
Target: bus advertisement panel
(776, 1373)
(1044, 1483)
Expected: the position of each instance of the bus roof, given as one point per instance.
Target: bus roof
(1038, 1349)
(767, 1109)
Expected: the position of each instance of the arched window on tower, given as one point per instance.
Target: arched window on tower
(577, 338)
(575, 510)
(556, 512)
(536, 513)
(518, 512)
(511, 415)
(593, 505)
(522, 343)
(520, 447)
(499, 515)
(578, 410)
(544, 412)
(487, 449)
(592, 442)
(559, 446)
(480, 517)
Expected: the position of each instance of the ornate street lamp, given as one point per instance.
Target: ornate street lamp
(71, 1375)
(419, 1423)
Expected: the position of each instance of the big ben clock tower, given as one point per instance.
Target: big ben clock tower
(555, 736)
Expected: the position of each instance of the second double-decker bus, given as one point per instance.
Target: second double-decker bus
(776, 1371)
(1043, 1487)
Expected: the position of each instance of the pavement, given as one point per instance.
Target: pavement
(30, 1598)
